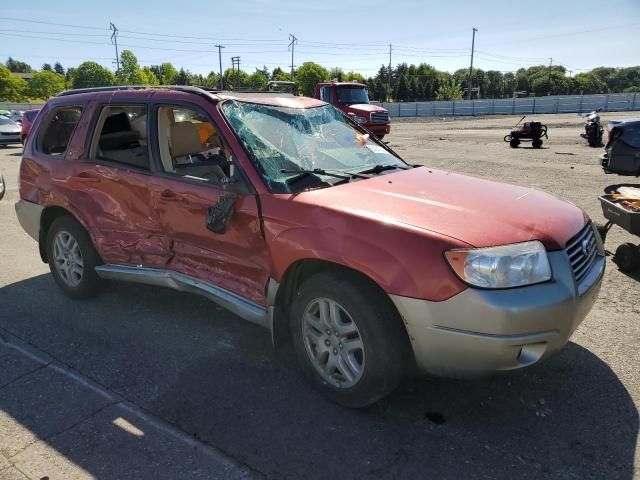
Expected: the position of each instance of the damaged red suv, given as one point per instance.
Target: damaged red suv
(287, 213)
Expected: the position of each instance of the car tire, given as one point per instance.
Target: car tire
(357, 354)
(72, 258)
(627, 257)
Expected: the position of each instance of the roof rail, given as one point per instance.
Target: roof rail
(185, 88)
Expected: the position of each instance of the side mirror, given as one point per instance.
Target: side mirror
(219, 215)
(2, 187)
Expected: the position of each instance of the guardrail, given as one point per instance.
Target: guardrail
(614, 102)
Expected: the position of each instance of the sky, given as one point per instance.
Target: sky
(579, 34)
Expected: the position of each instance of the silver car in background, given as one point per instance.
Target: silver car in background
(9, 131)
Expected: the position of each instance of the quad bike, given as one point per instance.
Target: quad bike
(528, 132)
(593, 129)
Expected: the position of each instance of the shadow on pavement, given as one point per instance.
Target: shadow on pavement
(217, 378)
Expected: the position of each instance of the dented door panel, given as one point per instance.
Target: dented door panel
(235, 259)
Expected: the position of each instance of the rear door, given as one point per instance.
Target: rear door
(111, 182)
(197, 178)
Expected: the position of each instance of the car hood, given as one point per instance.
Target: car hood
(473, 210)
(10, 128)
(366, 107)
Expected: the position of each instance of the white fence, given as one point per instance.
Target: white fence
(19, 106)
(614, 102)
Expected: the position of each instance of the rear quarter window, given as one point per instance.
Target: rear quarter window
(31, 116)
(55, 135)
(631, 135)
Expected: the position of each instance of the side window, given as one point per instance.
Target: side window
(631, 135)
(121, 136)
(325, 94)
(191, 147)
(56, 135)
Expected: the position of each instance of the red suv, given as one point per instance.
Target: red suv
(284, 211)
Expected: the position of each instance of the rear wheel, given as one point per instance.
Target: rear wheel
(627, 257)
(72, 258)
(514, 143)
(348, 338)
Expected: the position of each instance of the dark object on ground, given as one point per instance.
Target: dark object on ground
(622, 152)
(529, 132)
(593, 129)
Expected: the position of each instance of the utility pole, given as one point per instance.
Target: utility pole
(114, 40)
(389, 76)
(220, 47)
(292, 45)
(473, 44)
(549, 81)
(235, 61)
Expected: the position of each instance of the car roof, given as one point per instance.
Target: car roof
(265, 98)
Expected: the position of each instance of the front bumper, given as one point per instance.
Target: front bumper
(379, 129)
(478, 332)
(10, 139)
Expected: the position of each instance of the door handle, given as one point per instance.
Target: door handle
(87, 177)
(168, 195)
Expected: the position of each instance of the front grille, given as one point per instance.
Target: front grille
(380, 117)
(582, 250)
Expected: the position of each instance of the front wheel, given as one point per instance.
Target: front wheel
(349, 339)
(72, 258)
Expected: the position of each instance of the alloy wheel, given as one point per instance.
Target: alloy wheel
(68, 258)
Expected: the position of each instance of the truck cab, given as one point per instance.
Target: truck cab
(353, 99)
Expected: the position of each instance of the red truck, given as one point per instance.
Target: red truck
(352, 98)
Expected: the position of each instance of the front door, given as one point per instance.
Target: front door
(198, 179)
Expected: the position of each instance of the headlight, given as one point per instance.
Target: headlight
(360, 120)
(506, 266)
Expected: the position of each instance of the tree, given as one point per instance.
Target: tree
(130, 72)
(183, 78)
(45, 84)
(90, 74)
(165, 73)
(307, 75)
(337, 74)
(235, 79)
(403, 91)
(58, 68)
(586, 83)
(150, 77)
(47, 67)
(449, 91)
(12, 88)
(18, 67)
(280, 75)
(258, 80)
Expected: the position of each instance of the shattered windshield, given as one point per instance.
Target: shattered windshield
(351, 95)
(291, 139)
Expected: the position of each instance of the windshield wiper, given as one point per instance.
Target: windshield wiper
(321, 171)
(383, 168)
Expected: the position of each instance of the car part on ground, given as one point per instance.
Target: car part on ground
(623, 209)
(529, 132)
(385, 251)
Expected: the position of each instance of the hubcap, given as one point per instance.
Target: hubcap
(333, 342)
(67, 258)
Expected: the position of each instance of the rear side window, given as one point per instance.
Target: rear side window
(121, 136)
(56, 135)
(31, 116)
(631, 135)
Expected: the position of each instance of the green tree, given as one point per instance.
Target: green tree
(130, 72)
(587, 83)
(354, 77)
(47, 67)
(16, 66)
(91, 74)
(280, 75)
(45, 84)
(12, 88)
(307, 75)
(337, 74)
(235, 79)
(183, 77)
(258, 80)
(403, 91)
(165, 73)
(150, 77)
(449, 91)
(58, 68)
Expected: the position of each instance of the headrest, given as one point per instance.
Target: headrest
(116, 123)
(185, 139)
